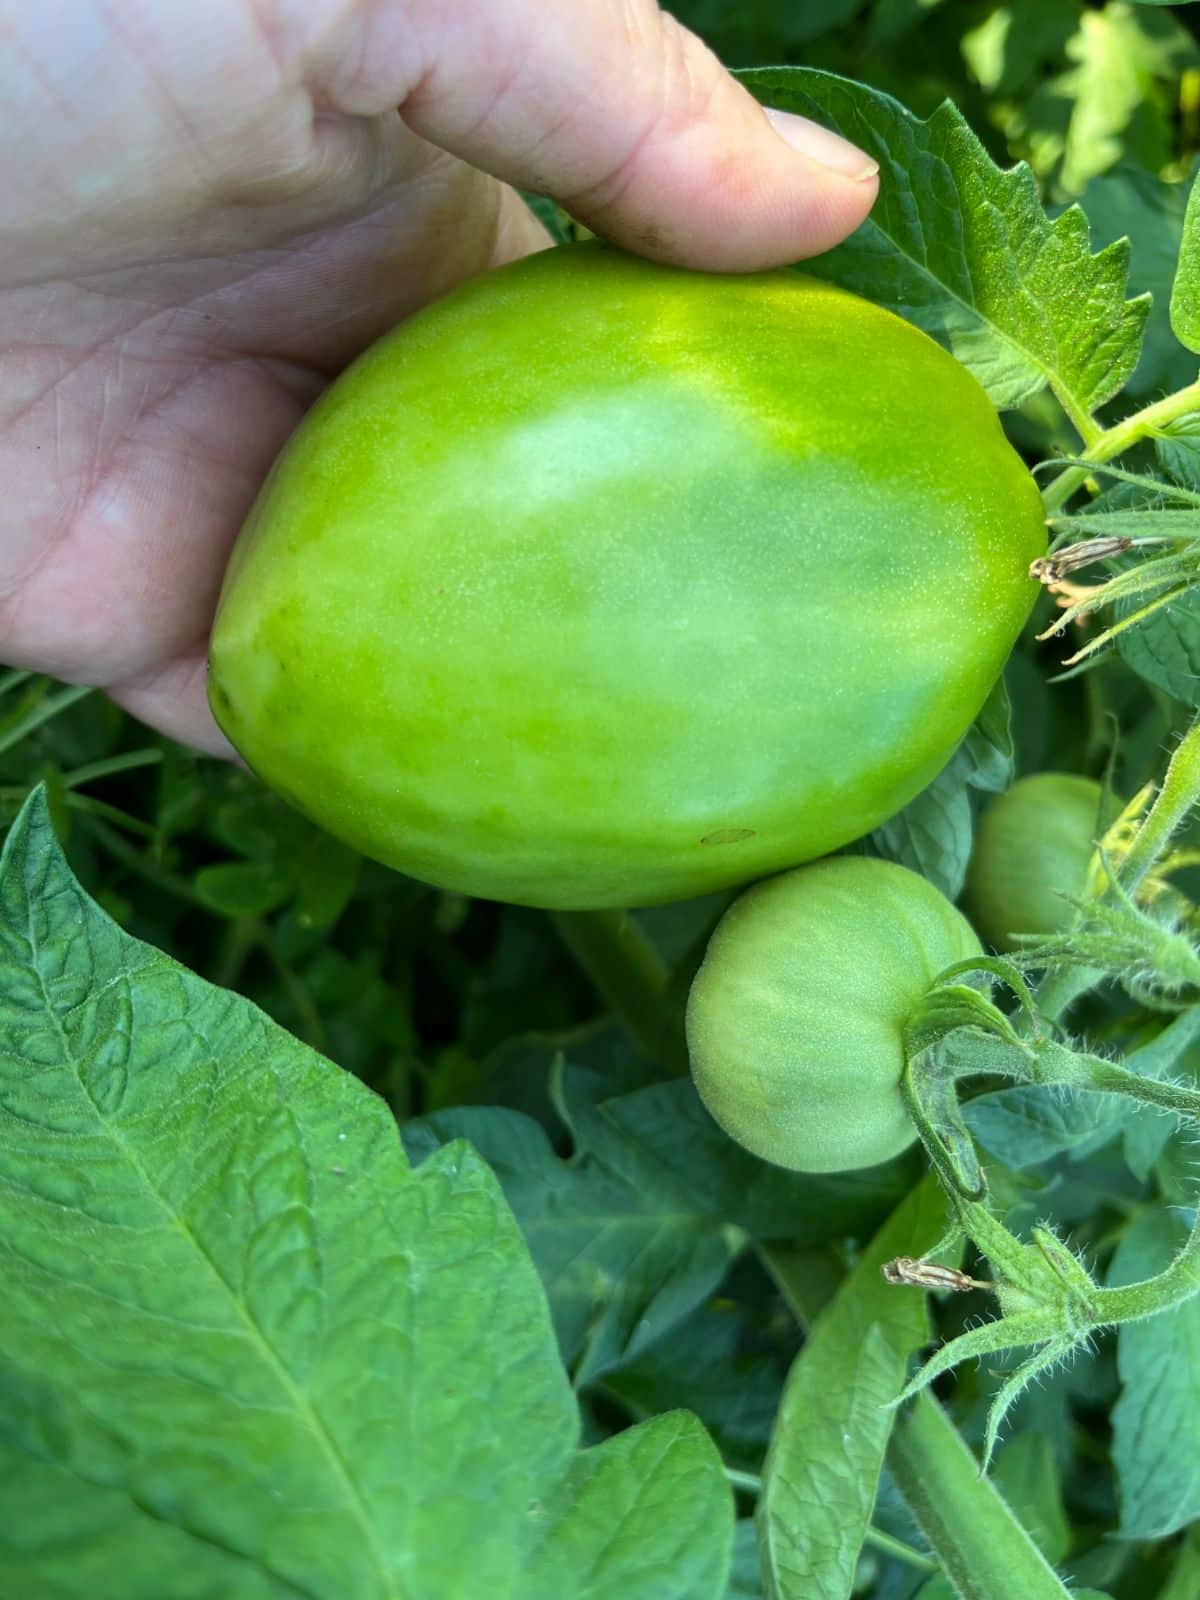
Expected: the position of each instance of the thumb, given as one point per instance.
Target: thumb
(614, 109)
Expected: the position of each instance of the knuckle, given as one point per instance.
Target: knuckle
(678, 84)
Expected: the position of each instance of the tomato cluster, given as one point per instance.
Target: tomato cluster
(600, 583)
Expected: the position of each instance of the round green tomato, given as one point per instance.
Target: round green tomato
(1033, 846)
(603, 583)
(796, 1018)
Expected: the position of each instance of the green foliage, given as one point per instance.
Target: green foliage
(1185, 295)
(1027, 1477)
(1185, 1575)
(222, 1275)
(1165, 649)
(744, 1580)
(637, 1228)
(1160, 1394)
(1123, 63)
(966, 252)
(834, 1421)
(933, 833)
(1131, 203)
(584, 1344)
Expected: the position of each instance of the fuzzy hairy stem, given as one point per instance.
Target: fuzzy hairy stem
(1135, 1302)
(1114, 441)
(1180, 791)
(1110, 1078)
(982, 1547)
(629, 975)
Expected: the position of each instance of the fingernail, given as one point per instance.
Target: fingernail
(819, 144)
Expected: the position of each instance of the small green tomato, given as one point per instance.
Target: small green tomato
(796, 1018)
(1032, 847)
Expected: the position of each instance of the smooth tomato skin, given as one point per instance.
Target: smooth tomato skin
(795, 1020)
(1032, 846)
(602, 583)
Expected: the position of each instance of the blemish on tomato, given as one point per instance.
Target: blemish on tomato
(728, 836)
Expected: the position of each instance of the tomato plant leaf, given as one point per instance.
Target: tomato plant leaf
(328, 873)
(939, 1587)
(253, 823)
(745, 1582)
(1025, 1126)
(614, 1526)
(1177, 447)
(827, 1449)
(665, 1128)
(1139, 206)
(244, 888)
(933, 833)
(1156, 1421)
(1026, 1474)
(1184, 1582)
(718, 1365)
(1164, 648)
(1015, 43)
(640, 1224)
(1185, 296)
(965, 250)
(621, 1264)
(243, 1345)
(1146, 1133)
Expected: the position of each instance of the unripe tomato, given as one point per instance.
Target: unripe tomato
(605, 583)
(1032, 841)
(796, 1018)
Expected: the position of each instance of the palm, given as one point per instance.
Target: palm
(217, 206)
(141, 407)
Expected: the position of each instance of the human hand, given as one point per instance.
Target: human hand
(210, 209)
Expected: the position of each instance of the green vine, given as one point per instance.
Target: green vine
(1049, 1302)
(1122, 436)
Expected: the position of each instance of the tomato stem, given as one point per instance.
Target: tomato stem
(930, 1097)
(1179, 793)
(1143, 424)
(1173, 1286)
(978, 1541)
(630, 976)
(888, 1545)
(1179, 1098)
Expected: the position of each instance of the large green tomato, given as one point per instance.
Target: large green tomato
(796, 1018)
(604, 583)
(1032, 847)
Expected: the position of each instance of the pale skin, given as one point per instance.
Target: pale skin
(211, 206)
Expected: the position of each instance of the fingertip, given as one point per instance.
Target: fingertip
(823, 146)
(826, 209)
(722, 211)
(728, 185)
(787, 190)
